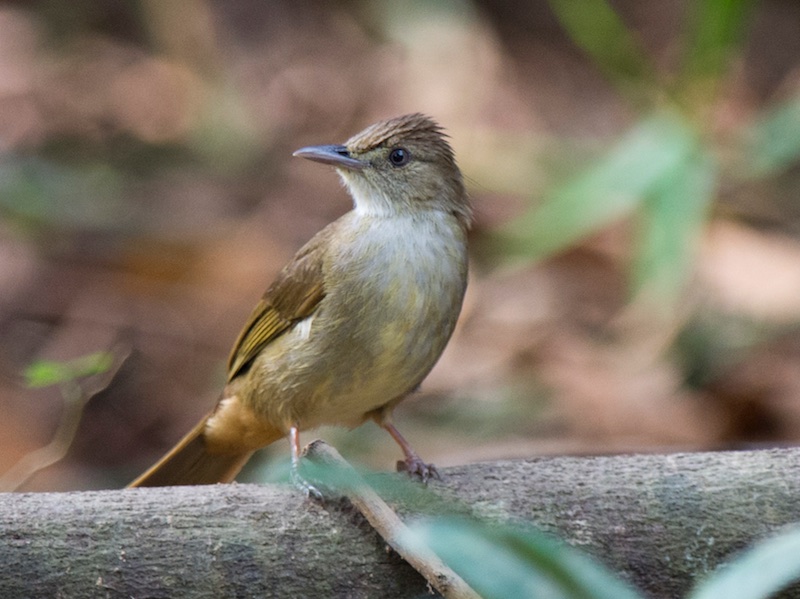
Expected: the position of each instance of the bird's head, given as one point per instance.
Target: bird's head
(400, 166)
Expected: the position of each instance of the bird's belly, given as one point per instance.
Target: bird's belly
(334, 368)
(314, 376)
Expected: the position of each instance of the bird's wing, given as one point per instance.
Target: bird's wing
(293, 296)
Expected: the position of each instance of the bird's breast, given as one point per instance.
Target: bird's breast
(404, 283)
(393, 291)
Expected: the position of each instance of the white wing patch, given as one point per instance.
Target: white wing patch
(303, 328)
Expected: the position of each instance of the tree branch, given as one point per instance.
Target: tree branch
(387, 524)
(663, 521)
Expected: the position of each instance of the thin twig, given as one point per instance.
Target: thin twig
(386, 522)
(75, 400)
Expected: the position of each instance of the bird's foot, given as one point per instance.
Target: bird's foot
(303, 485)
(298, 480)
(418, 469)
(412, 464)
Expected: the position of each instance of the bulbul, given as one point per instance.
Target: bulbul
(357, 318)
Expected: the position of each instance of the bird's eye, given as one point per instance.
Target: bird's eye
(399, 157)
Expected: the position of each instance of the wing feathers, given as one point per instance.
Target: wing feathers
(293, 296)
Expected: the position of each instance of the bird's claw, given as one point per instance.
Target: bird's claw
(418, 469)
(304, 486)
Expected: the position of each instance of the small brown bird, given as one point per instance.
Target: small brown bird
(356, 319)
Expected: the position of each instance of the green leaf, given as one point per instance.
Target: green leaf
(91, 364)
(757, 573)
(44, 373)
(595, 26)
(774, 142)
(715, 29)
(43, 191)
(673, 215)
(615, 186)
(509, 562)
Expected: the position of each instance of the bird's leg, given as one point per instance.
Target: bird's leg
(412, 464)
(294, 473)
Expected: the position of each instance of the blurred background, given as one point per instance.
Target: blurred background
(635, 169)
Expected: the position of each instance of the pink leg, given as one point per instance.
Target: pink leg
(294, 441)
(297, 479)
(412, 464)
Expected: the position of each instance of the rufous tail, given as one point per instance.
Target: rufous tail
(190, 463)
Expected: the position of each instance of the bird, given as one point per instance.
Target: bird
(355, 320)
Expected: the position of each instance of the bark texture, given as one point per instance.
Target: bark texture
(662, 521)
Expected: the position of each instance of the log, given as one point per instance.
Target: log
(661, 521)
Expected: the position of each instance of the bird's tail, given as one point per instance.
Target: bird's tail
(190, 463)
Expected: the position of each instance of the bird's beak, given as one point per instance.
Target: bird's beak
(335, 155)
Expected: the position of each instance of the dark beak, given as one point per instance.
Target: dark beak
(334, 155)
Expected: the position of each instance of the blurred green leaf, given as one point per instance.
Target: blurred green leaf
(618, 184)
(44, 191)
(773, 143)
(758, 573)
(715, 28)
(673, 215)
(47, 372)
(596, 27)
(509, 562)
